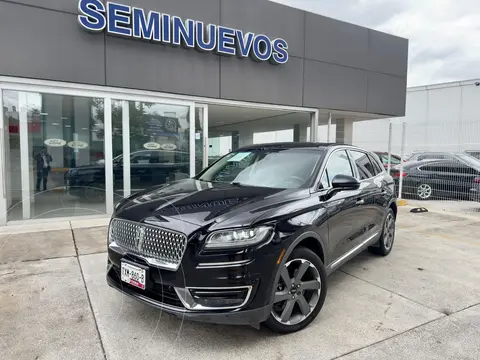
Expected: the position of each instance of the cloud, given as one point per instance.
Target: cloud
(443, 34)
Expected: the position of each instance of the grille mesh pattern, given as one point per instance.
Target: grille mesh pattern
(165, 247)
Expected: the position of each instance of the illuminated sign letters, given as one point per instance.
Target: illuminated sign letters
(131, 22)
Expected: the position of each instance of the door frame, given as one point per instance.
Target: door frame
(203, 114)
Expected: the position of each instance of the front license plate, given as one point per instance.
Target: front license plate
(133, 275)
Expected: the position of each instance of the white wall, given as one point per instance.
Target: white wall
(443, 117)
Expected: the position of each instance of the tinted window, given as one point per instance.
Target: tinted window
(376, 164)
(395, 160)
(363, 164)
(466, 170)
(436, 168)
(338, 164)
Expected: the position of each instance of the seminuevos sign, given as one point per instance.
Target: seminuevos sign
(123, 20)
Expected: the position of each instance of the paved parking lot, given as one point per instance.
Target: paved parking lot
(421, 302)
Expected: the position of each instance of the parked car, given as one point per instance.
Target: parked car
(438, 155)
(147, 168)
(252, 238)
(394, 159)
(474, 153)
(427, 179)
(475, 190)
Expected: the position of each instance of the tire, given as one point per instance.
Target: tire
(424, 191)
(305, 303)
(385, 244)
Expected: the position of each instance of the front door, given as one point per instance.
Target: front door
(344, 213)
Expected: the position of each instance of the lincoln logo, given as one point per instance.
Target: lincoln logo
(139, 237)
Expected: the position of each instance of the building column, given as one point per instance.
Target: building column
(344, 131)
(300, 133)
(235, 140)
(241, 138)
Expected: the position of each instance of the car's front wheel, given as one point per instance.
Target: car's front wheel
(300, 292)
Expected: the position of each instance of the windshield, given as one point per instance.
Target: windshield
(272, 168)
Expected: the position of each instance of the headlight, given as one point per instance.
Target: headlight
(237, 238)
(110, 233)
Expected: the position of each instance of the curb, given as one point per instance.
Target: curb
(401, 202)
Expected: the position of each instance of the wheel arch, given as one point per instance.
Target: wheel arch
(393, 205)
(310, 240)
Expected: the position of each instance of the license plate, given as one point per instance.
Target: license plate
(133, 275)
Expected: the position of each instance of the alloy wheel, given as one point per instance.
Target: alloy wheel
(424, 191)
(297, 293)
(389, 232)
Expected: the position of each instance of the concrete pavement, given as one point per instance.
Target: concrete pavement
(421, 302)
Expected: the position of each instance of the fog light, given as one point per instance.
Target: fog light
(219, 298)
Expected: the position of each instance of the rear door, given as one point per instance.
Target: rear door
(344, 212)
(370, 216)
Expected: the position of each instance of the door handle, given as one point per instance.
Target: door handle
(360, 202)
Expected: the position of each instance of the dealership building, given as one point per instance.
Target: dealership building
(123, 96)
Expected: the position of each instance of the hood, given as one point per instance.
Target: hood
(194, 204)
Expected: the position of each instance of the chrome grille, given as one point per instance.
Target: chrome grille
(158, 246)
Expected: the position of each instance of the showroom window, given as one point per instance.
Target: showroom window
(52, 146)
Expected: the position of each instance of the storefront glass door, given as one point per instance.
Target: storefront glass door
(151, 145)
(52, 147)
(55, 149)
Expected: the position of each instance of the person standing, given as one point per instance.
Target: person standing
(43, 159)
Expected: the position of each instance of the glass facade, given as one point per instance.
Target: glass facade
(47, 138)
(70, 153)
(55, 158)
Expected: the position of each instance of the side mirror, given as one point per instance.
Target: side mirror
(345, 182)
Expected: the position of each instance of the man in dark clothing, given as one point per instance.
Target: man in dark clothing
(43, 160)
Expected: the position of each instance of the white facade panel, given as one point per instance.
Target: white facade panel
(444, 117)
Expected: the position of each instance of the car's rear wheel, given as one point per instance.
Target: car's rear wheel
(300, 292)
(424, 191)
(385, 244)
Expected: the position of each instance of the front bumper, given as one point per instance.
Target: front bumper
(218, 275)
(242, 317)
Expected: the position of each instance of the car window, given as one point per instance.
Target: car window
(395, 160)
(141, 158)
(384, 159)
(325, 181)
(465, 170)
(376, 164)
(363, 164)
(338, 164)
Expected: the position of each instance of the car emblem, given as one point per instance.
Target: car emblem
(139, 237)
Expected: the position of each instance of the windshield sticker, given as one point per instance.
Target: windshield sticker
(239, 156)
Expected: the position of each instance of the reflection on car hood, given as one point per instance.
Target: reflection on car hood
(200, 203)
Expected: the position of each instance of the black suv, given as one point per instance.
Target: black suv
(252, 238)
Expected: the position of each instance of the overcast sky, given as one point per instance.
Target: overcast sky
(444, 34)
